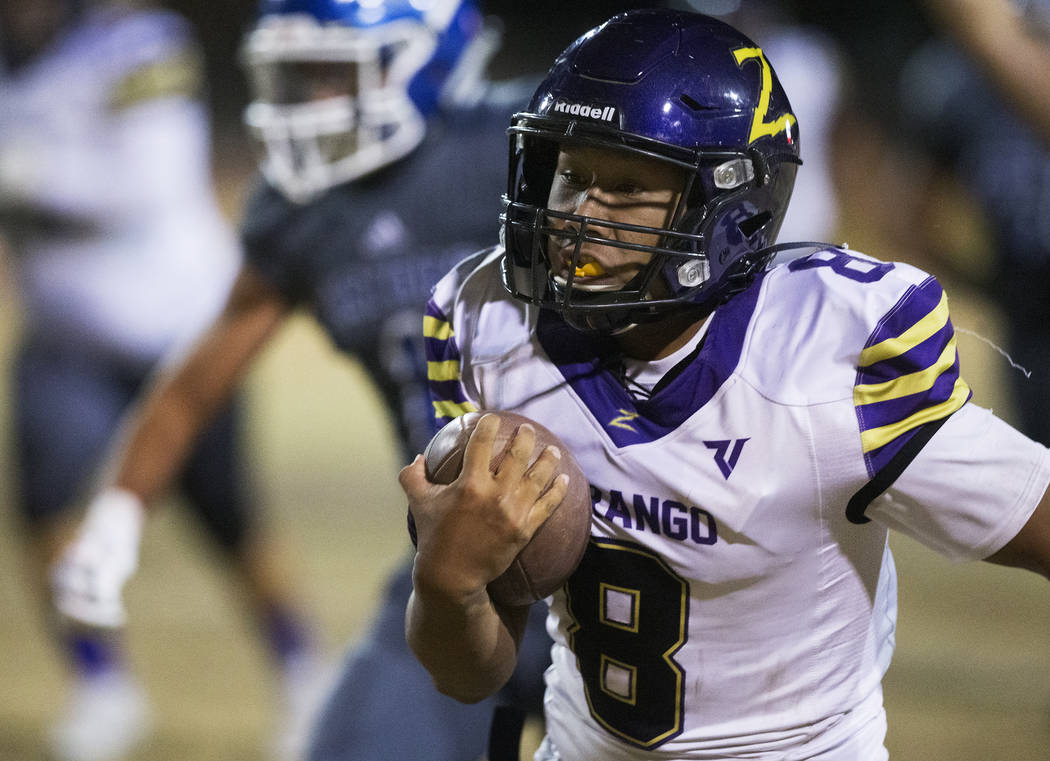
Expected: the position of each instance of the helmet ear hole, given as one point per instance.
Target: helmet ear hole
(752, 225)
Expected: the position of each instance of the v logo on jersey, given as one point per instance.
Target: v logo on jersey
(623, 421)
(721, 447)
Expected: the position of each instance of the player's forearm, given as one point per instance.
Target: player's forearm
(185, 397)
(160, 435)
(999, 40)
(468, 648)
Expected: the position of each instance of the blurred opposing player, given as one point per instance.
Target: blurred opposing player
(382, 162)
(121, 255)
(1006, 40)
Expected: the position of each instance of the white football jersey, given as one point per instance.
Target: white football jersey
(738, 598)
(105, 159)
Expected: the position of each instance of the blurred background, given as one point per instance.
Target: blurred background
(971, 676)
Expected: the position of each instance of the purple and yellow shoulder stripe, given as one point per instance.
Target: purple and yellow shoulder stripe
(443, 367)
(907, 374)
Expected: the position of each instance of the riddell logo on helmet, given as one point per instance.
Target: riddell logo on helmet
(602, 113)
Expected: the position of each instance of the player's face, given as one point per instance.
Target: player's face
(604, 184)
(290, 83)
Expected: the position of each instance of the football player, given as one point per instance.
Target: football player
(750, 433)
(120, 254)
(381, 163)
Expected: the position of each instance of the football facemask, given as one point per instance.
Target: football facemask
(670, 87)
(340, 90)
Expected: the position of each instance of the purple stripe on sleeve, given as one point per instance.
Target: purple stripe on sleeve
(917, 302)
(919, 357)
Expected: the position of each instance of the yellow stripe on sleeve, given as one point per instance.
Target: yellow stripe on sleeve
(905, 385)
(178, 76)
(878, 437)
(909, 339)
(443, 371)
(435, 328)
(452, 409)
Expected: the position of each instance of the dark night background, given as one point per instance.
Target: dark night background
(534, 33)
(875, 35)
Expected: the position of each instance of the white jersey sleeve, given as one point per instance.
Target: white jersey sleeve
(456, 337)
(970, 489)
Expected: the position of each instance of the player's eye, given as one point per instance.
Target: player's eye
(629, 188)
(572, 179)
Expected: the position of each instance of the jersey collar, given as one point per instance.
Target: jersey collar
(590, 363)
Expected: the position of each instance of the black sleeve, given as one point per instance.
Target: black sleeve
(273, 236)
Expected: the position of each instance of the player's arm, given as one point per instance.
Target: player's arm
(468, 533)
(1007, 48)
(156, 437)
(1030, 549)
(185, 395)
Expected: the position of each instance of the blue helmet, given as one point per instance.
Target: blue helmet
(674, 87)
(342, 88)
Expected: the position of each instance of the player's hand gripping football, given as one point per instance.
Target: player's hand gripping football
(87, 580)
(470, 531)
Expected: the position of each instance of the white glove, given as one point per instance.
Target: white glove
(19, 178)
(89, 576)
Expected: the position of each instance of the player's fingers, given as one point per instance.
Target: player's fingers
(413, 478)
(539, 475)
(478, 453)
(517, 453)
(548, 501)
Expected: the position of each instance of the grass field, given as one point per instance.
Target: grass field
(970, 682)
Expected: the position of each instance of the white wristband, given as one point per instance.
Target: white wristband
(116, 513)
(88, 578)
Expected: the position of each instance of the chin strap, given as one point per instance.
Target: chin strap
(759, 261)
(772, 251)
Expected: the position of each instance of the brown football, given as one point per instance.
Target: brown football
(556, 548)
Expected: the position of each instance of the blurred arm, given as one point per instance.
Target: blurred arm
(1011, 54)
(89, 576)
(159, 434)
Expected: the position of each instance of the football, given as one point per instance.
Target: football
(557, 547)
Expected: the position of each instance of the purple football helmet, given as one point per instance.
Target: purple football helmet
(674, 87)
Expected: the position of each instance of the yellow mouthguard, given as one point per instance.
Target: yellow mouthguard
(590, 269)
